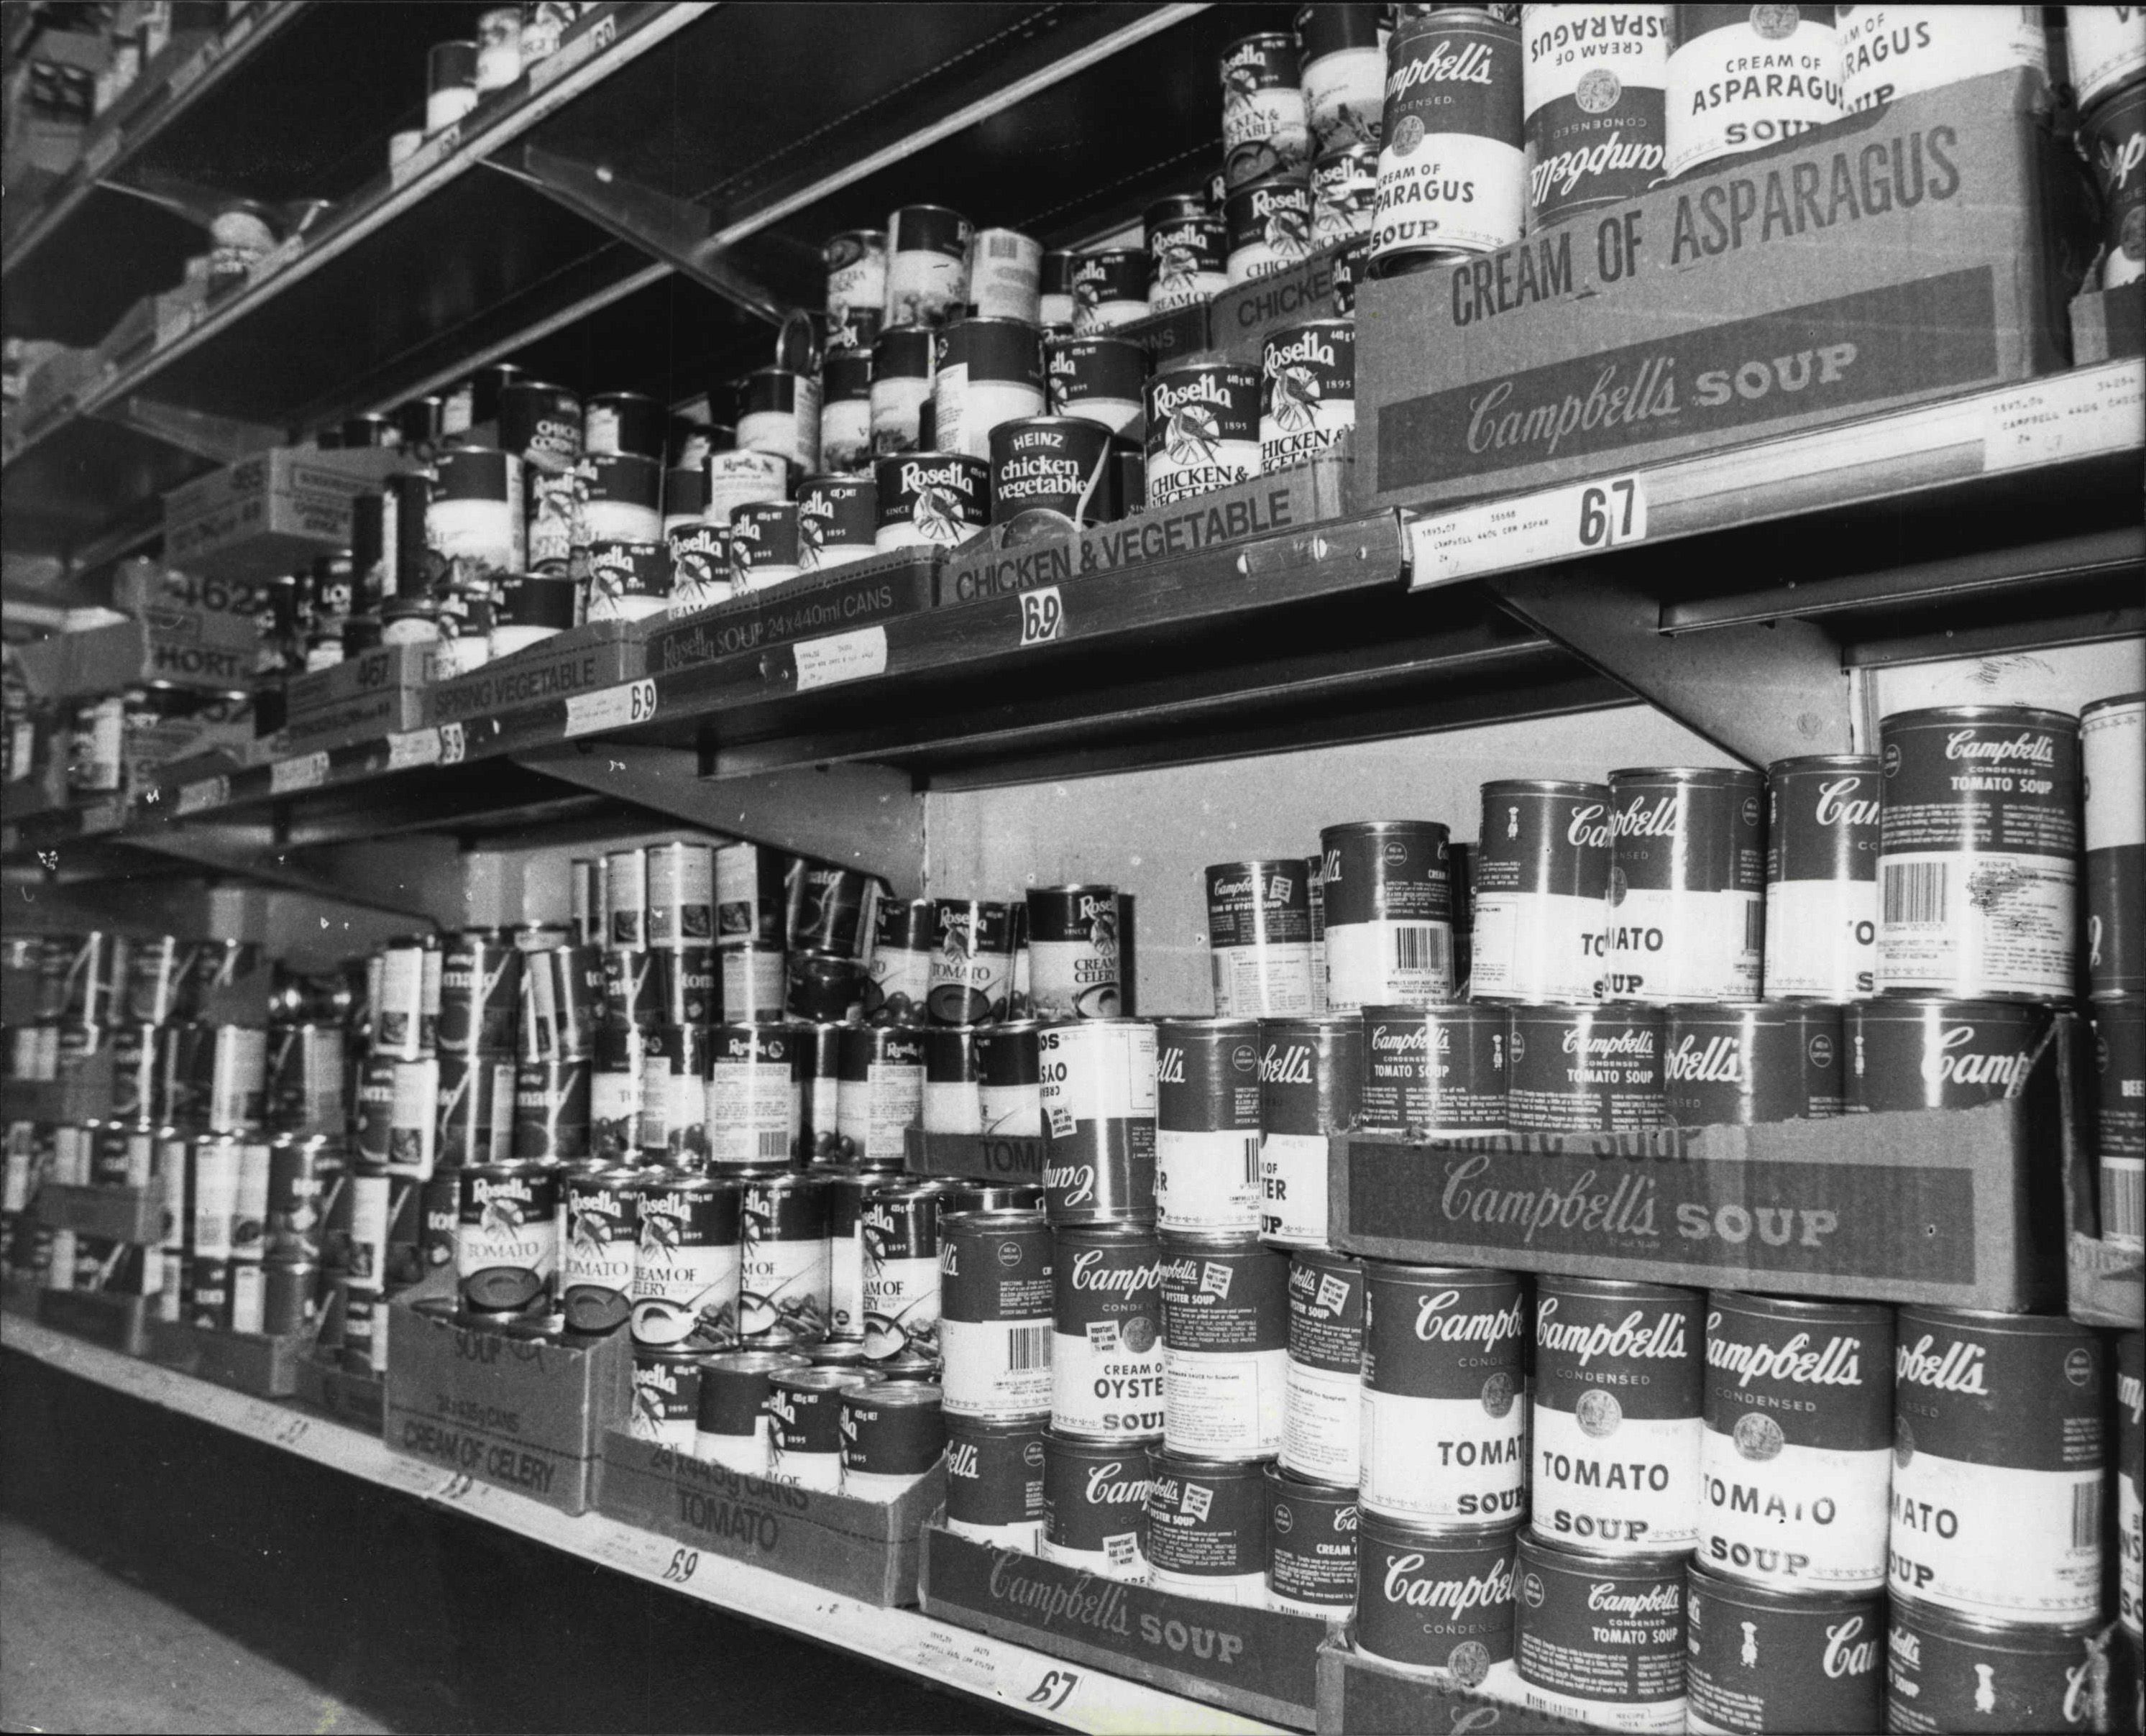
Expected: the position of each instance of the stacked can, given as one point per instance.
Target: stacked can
(2113, 752)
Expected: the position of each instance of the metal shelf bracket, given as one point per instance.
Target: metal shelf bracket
(220, 439)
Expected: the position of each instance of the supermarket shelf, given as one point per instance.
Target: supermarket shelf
(950, 1657)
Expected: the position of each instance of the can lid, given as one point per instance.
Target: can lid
(1541, 1551)
(1288, 1482)
(1705, 776)
(875, 1388)
(2038, 716)
(749, 1362)
(805, 1377)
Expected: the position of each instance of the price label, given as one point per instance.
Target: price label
(460, 1488)
(453, 744)
(841, 657)
(97, 158)
(206, 792)
(1042, 615)
(574, 51)
(1502, 535)
(191, 71)
(276, 258)
(428, 156)
(1053, 1690)
(413, 747)
(611, 708)
(2066, 416)
(308, 772)
(680, 1569)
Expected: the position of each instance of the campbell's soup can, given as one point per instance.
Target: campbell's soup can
(1909, 1054)
(1098, 379)
(1095, 1506)
(1268, 225)
(1743, 77)
(1310, 1075)
(2107, 48)
(1097, 1079)
(1206, 1530)
(2119, 1057)
(994, 1313)
(1388, 901)
(2113, 754)
(1344, 53)
(1444, 1399)
(1106, 1361)
(1761, 1061)
(1259, 938)
(1541, 887)
(1187, 250)
(1311, 1545)
(506, 1236)
(1960, 914)
(1795, 1464)
(1946, 1672)
(1888, 52)
(1073, 951)
(1592, 86)
(1225, 1335)
(1207, 1124)
(1999, 1458)
(927, 265)
(1453, 173)
(1265, 130)
(1308, 395)
(1202, 429)
(1687, 866)
(686, 1266)
(1601, 1637)
(1438, 1601)
(1617, 1395)
(1760, 1659)
(1434, 1069)
(1822, 843)
(1322, 1382)
(995, 1480)
(1585, 1069)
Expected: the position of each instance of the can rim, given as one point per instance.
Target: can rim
(1815, 1307)
(1277, 1473)
(1705, 776)
(749, 1362)
(1936, 1616)
(1807, 1599)
(1654, 1564)
(2043, 715)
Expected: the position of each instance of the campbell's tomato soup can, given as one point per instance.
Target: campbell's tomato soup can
(1206, 1532)
(1439, 1601)
(1187, 252)
(1978, 860)
(1762, 1061)
(1097, 1079)
(1224, 1336)
(1743, 77)
(1344, 53)
(1445, 1397)
(1601, 1637)
(1585, 1069)
(2106, 49)
(1822, 843)
(1434, 1069)
(1203, 429)
(1759, 1658)
(1310, 1076)
(1265, 130)
(1999, 1459)
(1311, 1545)
(1946, 1672)
(1259, 938)
(1323, 1390)
(1268, 225)
(1592, 89)
(1795, 1464)
(1931, 1054)
(1308, 397)
(2120, 1058)
(2113, 752)
(1453, 174)
(1107, 1357)
(1094, 1507)
(995, 1480)
(1207, 1124)
(2130, 1476)
(1540, 886)
(1889, 52)
(1687, 884)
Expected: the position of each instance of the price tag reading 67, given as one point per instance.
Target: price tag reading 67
(1612, 512)
(1042, 615)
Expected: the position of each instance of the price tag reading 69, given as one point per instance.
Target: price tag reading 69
(611, 708)
(1042, 615)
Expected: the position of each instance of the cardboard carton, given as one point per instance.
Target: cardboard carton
(849, 597)
(1176, 336)
(1360, 1696)
(2108, 324)
(254, 1362)
(864, 1550)
(111, 1214)
(118, 1323)
(210, 653)
(528, 1416)
(1961, 1208)
(398, 673)
(976, 1156)
(1260, 1662)
(258, 517)
(1241, 319)
(580, 659)
(1912, 252)
(359, 1400)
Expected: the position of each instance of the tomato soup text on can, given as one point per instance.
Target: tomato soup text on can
(1687, 910)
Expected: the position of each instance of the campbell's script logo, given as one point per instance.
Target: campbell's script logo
(1959, 1369)
(1441, 65)
(1838, 805)
(1720, 1062)
(1288, 1066)
(1662, 1338)
(1848, 1652)
(1665, 1598)
(1405, 1583)
(1090, 1273)
(1839, 1363)
(1590, 826)
(1955, 1061)
(1108, 1486)
(2026, 748)
(1439, 1320)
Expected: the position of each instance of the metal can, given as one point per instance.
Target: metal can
(1946, 1672)
(1344, 50)
(1452, 173)
(763, 545)
(507, 1237)
(817, 1069)
(1998, 1460)
(1687, 914)
(1322, 1399)
(1769, 1060)
(1202, 429)
(359, 1229)
(881, 1094)
(480, 991)
(995, 1481)
(2112, 758)
(901, 367)
(306, 1174)
(1311, 1545)
(1009, 1082)
(838, 515)
(2108, 51)
(1759, 1658)
(1310, 1076)
(927, 265)
(779, 414)
(1094, 1507)
(1110, 289)
(751, 896)
(1794, 1466)
(2130, 1475)
(1207, 1124)
(1224, 1337)
(155, 979)
(1005, 275)
(667, 1395)
(971, 969)
(931, 499)
(1269, 223)
(601, 1204)
(1821, 841)
(898, 988)
(1098, 1096)
(1388, 914)
(1445, 1408)
(730, 1422)
(856, 261)
(1585, 1069)
(1051, 475)
(1259, 938)
(686, 985)
(1592, 88)
(136, 1076)
(671, 1128)
(1741, 78)
(750, 1094)
(805, 1431)
(1055, 303)
(562, 1001)
(1618, 1398)
(1438, 1601)
(1931, 1054)
(1888, 52)
(413, 1118)
(893, 1432)
(1266, 129)
(1439, 1069)
(1541, 882)
(681, 907)
(898, 1226)
(686, 1263)
(1073, 943)
(626, 898)
(1097, 380)
(783, 1272)
(1345, 190)
(1107, 1357)
(953, 1102)
(994, 1313)
(989, 373)
(1186, 245)
(551, 1110)
(1206, 1527)
(1308, 398)
(2119, 1052)
(755, 983)
(290, 1298)
(1601, 1638)
(1958, 916)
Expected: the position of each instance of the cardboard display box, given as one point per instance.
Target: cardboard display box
(386, 667)
(864, 1550)
(850, 597)
(1290, 500)
(358, 1401)
(1961, 1208)
(1259, 1663)
(580, 659)
(974, 1156)
(1242, 317)
(111, 1214)
(528, 1416)
(118, 1323)
(258, 517)
(254, 1362)
(1360, 1696)
(211, 653)
(1912, 252)
(2108, 324)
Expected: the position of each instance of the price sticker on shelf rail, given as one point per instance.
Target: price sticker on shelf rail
(204, 792)
(852, 656)
(575, 50)
(428, 156)
(611, 708)
(307, 772)
(2076, 415)
(412, 747)
(1527, 530)
(191, 71)
(1042, 615)
(98, 157)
